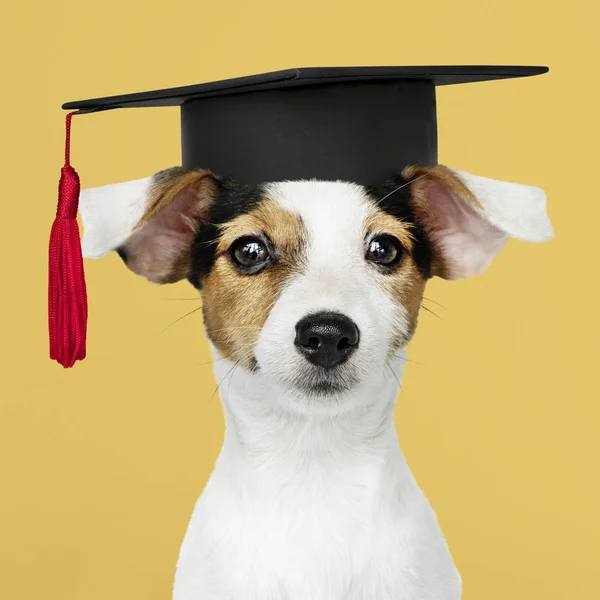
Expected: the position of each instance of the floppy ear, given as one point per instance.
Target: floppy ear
(150, 222)
(469, 218)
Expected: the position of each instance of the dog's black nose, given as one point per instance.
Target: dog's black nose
(326, 339)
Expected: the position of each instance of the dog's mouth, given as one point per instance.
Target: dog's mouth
(321, 382)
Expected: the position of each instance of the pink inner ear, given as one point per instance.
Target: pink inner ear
(467, 241)
(154, 250)
(180, 215)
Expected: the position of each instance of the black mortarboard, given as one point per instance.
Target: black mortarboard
(359, 124)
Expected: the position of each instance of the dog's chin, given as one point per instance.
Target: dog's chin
(319, 384)
(324, 388)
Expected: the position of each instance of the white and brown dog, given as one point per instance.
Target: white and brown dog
(310, 293)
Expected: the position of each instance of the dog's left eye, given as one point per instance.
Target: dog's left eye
(250, 254)
(384, 250)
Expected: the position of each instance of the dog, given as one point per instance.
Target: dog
(310, 294)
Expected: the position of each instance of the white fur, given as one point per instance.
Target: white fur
(311, 498)
(516, 209)
(336, 278)
(109, 214)
(312, 507)
(472, 236)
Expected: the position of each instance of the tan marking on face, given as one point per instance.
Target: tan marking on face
(407, 287)
(380, 222)
(405, 284)
(236, 306)
(283, 228)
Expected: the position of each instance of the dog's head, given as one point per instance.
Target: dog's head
(315, 285)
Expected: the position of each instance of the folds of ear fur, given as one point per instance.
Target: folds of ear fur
(151, 222)
(517, 210)
(469, 218)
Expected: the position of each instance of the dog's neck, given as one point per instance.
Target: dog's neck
(274, 435)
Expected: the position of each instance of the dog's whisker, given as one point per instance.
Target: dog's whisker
(232, 328)
(405, 359)
(434, 302)
(433, 313)
(396, 378)
(231, 376)
(247, 355)
(220, 383)
(212, 362)
(235, 328)
(393, 373)
(183, 317)
(210, 242)
(401, 186)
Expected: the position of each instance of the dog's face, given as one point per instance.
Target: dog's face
(316, 285)
(312, 283)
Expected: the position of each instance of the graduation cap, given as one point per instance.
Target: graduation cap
(358, 124)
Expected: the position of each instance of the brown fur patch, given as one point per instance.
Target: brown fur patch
(422, 176)
(178, 200)
(236, 306)
(426, 181)
(381, 222)
(405, 284)
(407, 287)
(168, 184)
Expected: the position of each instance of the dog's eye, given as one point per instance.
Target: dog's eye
(250, 254)
(384, 250)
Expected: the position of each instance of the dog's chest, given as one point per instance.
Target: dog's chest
(321, 535)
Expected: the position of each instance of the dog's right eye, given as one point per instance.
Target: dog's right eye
(250, 254)
(384, 250)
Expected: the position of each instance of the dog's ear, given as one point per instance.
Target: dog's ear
(150, 222)
(469, 218)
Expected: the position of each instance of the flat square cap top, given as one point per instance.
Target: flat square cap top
(291, 78)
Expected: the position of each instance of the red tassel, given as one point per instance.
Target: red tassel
(67, 297)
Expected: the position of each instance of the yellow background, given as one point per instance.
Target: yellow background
(100, 465)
